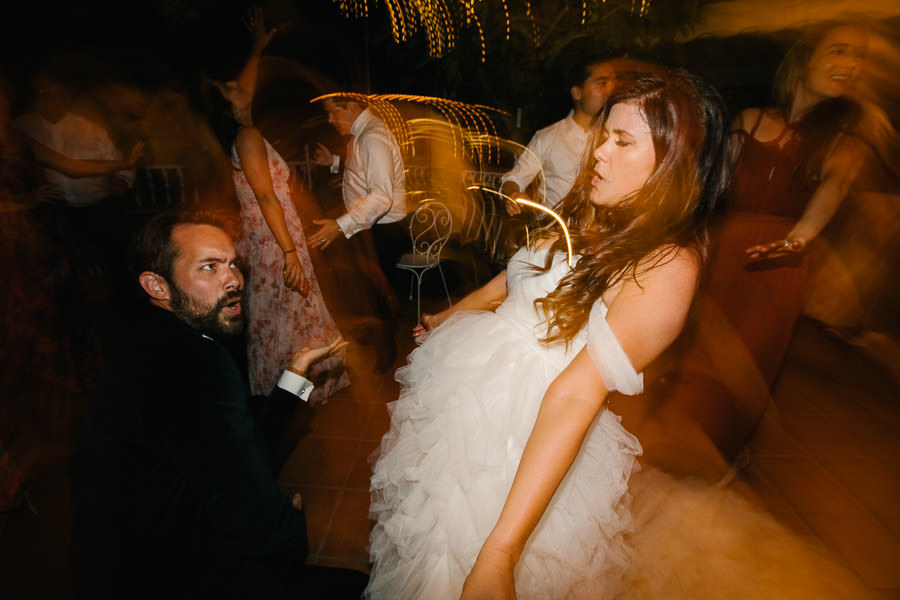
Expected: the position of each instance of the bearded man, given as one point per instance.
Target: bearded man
(199, 513)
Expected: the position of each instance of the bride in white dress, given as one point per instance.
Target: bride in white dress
(501, 413)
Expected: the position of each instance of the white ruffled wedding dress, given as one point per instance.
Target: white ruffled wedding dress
(469, 399)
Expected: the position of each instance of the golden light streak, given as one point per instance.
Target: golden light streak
(472, 131)
(539, 207)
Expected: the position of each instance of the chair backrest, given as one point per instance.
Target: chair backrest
(430, 227)
(159, 186)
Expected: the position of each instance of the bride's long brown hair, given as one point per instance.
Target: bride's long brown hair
(688, 125)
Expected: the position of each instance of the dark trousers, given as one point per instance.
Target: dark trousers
(391, 241)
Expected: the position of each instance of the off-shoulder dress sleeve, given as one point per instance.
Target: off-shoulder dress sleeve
(608, 355)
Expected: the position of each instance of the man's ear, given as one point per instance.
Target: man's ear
(155, 285)
(575, 91)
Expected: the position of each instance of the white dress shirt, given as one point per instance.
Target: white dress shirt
(558, 149)
(75, 137)
(374, 185)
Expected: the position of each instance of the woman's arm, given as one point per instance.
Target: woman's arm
(487, 297)
(76, 167)
(261, 38)
(251, 150)
(839, 170)
(646, 317)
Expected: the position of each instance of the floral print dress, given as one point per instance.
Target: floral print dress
(281, 321)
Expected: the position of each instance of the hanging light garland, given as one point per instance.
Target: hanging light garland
(441, 20)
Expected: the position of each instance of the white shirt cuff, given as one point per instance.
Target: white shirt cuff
(335, 163)
(296, 384)
(346, 224)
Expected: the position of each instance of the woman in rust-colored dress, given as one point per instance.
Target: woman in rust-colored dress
(795, 164)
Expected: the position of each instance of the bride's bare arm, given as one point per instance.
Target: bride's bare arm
(487, 297)
(645, 318)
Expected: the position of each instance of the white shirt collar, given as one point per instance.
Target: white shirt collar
(364, 118)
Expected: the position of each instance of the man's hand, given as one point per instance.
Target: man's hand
(513, 208)
(49, 192)
(136, 153)
(511, 191)
(306, 357)
(326, 233)
(322, 156)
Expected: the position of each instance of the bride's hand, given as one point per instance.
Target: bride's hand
(491, 578)
(429, 322)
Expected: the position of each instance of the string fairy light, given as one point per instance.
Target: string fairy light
(442, 20)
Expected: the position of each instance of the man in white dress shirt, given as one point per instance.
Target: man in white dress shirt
(374, 193)
(374, 184)
(557, 150)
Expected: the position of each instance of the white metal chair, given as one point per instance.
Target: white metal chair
(429, 229)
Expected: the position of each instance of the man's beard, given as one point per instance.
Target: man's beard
(208, 319)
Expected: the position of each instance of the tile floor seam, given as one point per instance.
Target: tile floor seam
(866, 512)
(331, 516)
(849, 492)
(781, 495)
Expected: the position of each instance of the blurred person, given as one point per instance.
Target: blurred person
(64, 244)
(374, 193)
(853, 291)
(524, 387)
(178, 471)
(796, 163)
(35, 348)
(555, 153)
(285, 303)
(88, 218)
(53, 125)
(374, 182)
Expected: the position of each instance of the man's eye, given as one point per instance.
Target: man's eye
(208, 267)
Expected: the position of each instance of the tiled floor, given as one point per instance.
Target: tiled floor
(825, 461)
(825, 458)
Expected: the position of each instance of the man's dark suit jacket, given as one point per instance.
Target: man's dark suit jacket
(198, 509)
